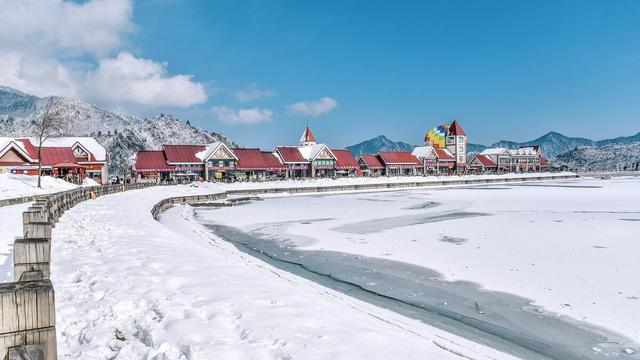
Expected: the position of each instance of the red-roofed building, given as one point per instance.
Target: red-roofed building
(482, 163)
(66, 157)
(370, 165)
(297, 165)
(153, 164)
(183, 154)
(399, 163)
(346, 164)
(255, 164)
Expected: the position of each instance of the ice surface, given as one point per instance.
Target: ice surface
(561, 244)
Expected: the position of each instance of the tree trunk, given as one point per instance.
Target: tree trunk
(39, 166)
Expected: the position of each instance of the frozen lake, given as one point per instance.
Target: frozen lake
(548, 266)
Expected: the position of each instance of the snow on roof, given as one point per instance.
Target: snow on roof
(310, 152)
(307, 136)
(485, 160)
(495, 151)
(423, 151)
(444, 154)
(98, 151)
(525, 150)
(7, 142)
(209, 149)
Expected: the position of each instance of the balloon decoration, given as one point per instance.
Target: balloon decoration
(437, 136)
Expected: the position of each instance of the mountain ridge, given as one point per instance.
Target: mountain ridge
(552, 144)
(122, 134)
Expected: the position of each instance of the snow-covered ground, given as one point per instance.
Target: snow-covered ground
(15, 185)
(128, 287)
(570, 246)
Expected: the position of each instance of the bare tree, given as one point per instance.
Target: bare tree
(50, 123)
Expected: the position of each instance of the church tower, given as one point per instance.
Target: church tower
(457, 144)
(307, 137)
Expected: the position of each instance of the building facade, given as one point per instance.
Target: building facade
(71, 158)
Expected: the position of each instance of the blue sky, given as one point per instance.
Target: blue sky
(505, 69)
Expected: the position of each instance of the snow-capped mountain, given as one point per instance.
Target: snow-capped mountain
(122, 134)
(551, 143)
(606, 158)
(379, 143)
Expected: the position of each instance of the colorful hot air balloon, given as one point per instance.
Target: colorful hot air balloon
(437, 136)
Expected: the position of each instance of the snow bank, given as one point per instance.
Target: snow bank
(89, 182)
(14, 185)
(128, 287)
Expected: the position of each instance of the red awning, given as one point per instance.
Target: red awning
(66, 165)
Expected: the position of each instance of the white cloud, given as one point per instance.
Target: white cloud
(37, 76)
(96, 27)
(312, 108)
(127, 79)
(242, 116)
(252, 92)
(55, 47)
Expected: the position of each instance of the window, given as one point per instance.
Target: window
(450, 140)
(460, 159)
(460, 148)
(460, 139)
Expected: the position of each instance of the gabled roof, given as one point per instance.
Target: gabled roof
(307, 136)
(7, 144)
(345, 160)
(444, 154)
(485, 160)
(90, 144)
(212, 148)
(151, 160)
(398, 157)
(526, 150)
(183, 154)
(290, 154)
(255, 159)
(422, 152)
(495, 151)
(28, 146)
(273, 161)
(56, 155)
(455, 129)
(311, 152)
(372, 162)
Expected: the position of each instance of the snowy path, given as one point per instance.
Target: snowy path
(128, 287)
